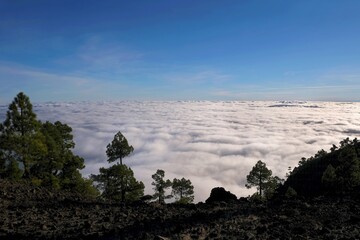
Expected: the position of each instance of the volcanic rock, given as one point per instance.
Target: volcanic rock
(219, 194)
(30, 212)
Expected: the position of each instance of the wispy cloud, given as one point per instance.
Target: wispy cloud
(50, 85)
(99, 54)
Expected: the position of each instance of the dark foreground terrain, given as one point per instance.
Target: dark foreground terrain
(29, 212)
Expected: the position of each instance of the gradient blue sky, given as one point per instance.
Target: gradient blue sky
(180, 50)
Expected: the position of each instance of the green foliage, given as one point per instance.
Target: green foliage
(86, 188)
(290, 193)
(334, 172)
(2, 162)
(118, 148)
(271, 186)
(135, 189)
(70, 175)
(39, 152)
(52, 181)
(59, 141)
(59, 161)
(183, 190)
(329, 177)
(13, 171)
(20, 116)
(160, 186)
(36, 182)
(256, 198)
(59, 167)
(118, 183)
(20, 138)
(348, 172)
(259, 176)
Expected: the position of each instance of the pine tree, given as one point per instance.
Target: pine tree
(183, 190)
(271, 186)
(70, 175)
(21, 139)
(118, 148)
(59, 143)
(160, 186)
(259, 176)
(348, 172)
(118, 183)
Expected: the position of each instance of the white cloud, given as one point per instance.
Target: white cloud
(211, 143)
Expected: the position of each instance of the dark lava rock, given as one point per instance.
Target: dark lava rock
(29, 212)
(219, 194)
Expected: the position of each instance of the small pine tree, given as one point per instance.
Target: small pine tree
(259, 176)
(183, 190)
(118, 148)
(160, 186)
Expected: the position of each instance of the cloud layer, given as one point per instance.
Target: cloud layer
(211, 143)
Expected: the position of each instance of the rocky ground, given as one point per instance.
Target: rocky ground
(29, 212)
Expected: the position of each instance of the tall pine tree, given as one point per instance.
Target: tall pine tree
(20, 135)
(160, 186)
(259, 176)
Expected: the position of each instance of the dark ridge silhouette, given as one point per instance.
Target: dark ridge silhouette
(327, 173)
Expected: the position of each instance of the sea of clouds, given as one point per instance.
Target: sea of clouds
(211, 143)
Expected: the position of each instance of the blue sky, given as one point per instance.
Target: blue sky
(180, 50)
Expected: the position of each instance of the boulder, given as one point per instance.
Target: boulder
(219, 194)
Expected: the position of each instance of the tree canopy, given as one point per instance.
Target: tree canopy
(118, 148)
(160, 186)
(20, 137)
(259, 176)
(334, 172)
(118, 183)
(40, 152)
(183, 190)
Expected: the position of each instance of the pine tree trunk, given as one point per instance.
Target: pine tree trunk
(122, 195)
(26, 170)
(260, 185)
